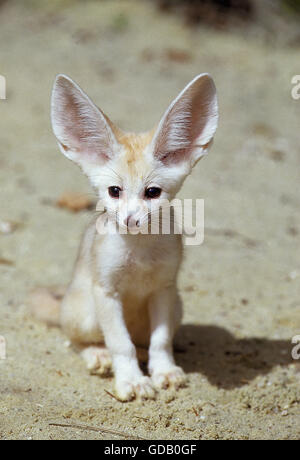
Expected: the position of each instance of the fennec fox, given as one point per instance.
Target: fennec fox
(123, 293)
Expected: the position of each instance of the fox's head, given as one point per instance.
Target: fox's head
(133, 173)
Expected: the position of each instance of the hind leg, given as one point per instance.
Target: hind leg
(78, 318)
(97, 359)
(79, 322)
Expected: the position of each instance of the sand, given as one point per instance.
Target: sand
(241, 287)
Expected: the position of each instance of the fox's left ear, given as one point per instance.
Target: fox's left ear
(186, 130)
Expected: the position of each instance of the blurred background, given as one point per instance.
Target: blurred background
(241, 288)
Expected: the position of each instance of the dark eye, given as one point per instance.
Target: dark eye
(114, 191)
(152, 192)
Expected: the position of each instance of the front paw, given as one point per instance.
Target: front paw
(172, 377)
(141, 387)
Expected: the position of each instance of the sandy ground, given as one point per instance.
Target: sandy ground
(241, 288)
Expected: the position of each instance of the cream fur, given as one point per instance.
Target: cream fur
(123, 293)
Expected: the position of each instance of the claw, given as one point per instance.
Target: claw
(174, 377)
(142, 388)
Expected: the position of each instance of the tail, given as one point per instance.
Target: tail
(44, 304)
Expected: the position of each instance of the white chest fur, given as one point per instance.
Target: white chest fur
(136, 265)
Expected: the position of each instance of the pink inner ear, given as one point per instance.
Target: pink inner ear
(189, 123)
(83, 128)
(174, 157)
(80, 127)
(174, 140)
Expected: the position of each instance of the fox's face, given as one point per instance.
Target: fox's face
(133, 174)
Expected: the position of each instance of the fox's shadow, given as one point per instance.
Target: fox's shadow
(226, 361)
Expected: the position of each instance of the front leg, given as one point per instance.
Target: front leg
(129, 379)
(165, 315)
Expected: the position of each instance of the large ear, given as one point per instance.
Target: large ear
(83, 132)
(187, 128)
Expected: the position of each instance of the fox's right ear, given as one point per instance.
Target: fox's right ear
(83, 132)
